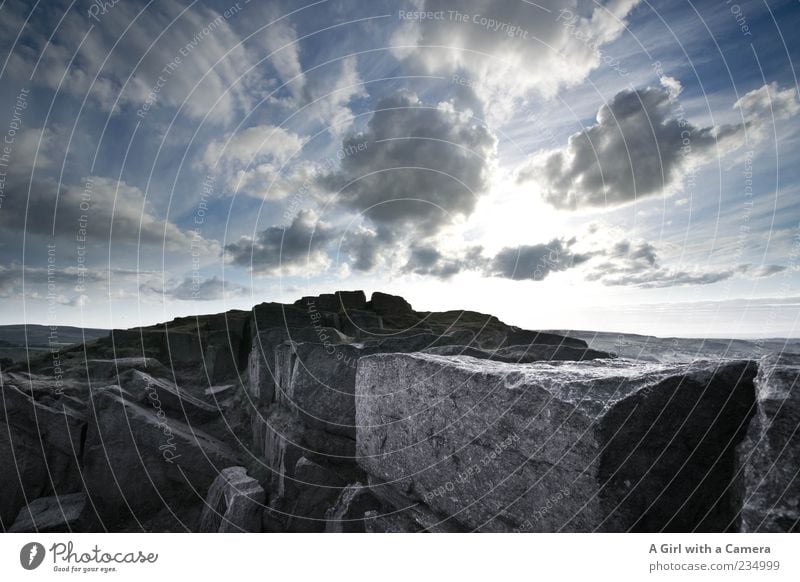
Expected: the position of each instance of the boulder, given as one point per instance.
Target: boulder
(385, 304)
(261, 362)
(359, 322)
(234, 503)
(375, 522)
(522, 354)
(347, 514)
(277, 442)
(161, 394)
(769, 457)
(278, 315)
(316, 382)
(41, 446)
(139, 461)
(324, 302)
(314, 489)
(603, 445)
(351, 300)
(108, 370)
(517, 336)
(59, 513)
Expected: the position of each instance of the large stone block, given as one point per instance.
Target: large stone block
(234, 503)
(604, 445)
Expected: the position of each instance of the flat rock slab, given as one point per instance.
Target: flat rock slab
(770, 455)
(138, 461)
(58, 513)
(604, 445)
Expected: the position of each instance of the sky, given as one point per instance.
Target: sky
(624, 165)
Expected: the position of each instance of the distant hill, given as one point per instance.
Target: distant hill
(14, 347)
(672, 349)
(38, 335)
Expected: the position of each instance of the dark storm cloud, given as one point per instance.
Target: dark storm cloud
(535, 262)
(641, 145)
(300, 245)
(104, 211)
(417, 168)
(634, 150)
(427, 260)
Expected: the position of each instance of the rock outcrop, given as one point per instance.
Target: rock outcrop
(770, 455)
(339, 414)
(234, 503)
(593, 446)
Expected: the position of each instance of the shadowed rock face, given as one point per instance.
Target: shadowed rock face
(770, 455)
(234, 503)
(606, 445)
(59, 513)
(41, 448)
(139, 461)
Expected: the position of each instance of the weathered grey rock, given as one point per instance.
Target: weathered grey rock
(351, 299)
(272, 315)
(261, 362)
(605, 445)
(99, 370)
(41, 446)
(385, 304)
(277, 441)
(347, 514)
(517, 336)
(377, 522)
(59, 513)
(234, 503)
(769, 457)
(138, 461)
(359, 322)
(161, 394)
(522, 354)
(314, 490)
(317, 381)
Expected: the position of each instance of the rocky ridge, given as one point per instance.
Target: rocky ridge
(340, 414)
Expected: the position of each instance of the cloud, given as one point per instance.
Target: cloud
(510, 48)
(298, 248)
(104, 211)
(535, 262)
(415, 169)
(427, 260)
(252, 161)
(177, 69)
(63, 286)
(764, 271)
(634, 150)
(764, 106)
(201, 289)
(637, 264)
(637, 148)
